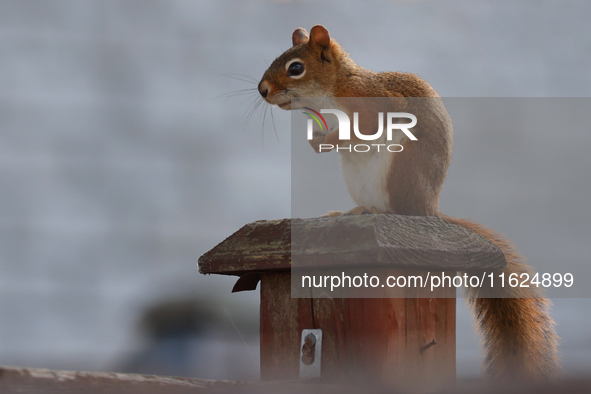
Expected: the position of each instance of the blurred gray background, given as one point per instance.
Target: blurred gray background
(127, 151)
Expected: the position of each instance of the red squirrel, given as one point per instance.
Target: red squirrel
(518, 332)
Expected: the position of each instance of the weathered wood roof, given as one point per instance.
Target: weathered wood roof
(418, 242)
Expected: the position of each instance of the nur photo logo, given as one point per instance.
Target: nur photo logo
(344, 130)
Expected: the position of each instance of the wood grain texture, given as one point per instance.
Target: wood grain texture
(429, 242)
(44, 381)
(280, 328)
(37, 381)
(364, 240)
(259, 246)
(369, 341)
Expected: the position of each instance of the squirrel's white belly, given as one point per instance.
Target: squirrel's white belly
(366, 178)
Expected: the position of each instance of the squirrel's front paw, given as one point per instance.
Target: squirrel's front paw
(316, 141)
(330, 141)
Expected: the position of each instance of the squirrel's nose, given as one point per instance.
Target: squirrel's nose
(264, 88)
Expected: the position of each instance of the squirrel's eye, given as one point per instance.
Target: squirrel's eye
(295, 69)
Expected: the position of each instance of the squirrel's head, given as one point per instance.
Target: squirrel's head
(307, 69)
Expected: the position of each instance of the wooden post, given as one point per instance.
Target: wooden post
(397, 340)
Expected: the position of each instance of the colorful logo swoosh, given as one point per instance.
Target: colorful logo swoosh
(316, 116)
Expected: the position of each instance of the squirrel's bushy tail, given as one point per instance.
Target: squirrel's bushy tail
(517, 330)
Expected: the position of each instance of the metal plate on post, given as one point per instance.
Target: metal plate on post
(310, 353)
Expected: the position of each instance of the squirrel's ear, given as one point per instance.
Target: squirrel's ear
(299, 36)
(320, 36)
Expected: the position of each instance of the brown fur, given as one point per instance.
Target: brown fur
(518, 331)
